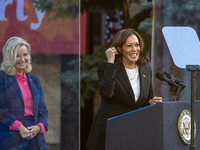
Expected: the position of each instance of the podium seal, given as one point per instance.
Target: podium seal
(184, 127)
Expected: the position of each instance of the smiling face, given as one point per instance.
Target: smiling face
(131, 51)
(22, 59)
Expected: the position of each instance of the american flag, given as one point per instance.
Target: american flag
(113, 24)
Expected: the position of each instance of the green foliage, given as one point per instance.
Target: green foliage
(88, 74)
(71, 77)
(89, 83)
(89, 78)
(43, 5)
(142, 23)
(59, 8)
(70, 8)
(180, 12)
(104, 6)
(146, 24)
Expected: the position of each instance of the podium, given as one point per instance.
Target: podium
(154, 127)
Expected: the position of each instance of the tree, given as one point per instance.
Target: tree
(180, 12)
(58, 8)
(88, 76)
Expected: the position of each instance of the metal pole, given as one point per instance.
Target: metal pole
(193, 69)
(193, 97)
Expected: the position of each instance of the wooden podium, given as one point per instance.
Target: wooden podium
(154, 127)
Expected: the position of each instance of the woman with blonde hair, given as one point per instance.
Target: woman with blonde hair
(23, 112)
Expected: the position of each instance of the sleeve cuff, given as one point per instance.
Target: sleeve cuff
(42, 127)
(15, 125)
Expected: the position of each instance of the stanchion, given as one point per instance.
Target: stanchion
(193, 69)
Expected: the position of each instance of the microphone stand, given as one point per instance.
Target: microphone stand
(174, 90)
(182, 87)
(193, 69)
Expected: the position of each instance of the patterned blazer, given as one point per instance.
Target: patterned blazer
(12, 106)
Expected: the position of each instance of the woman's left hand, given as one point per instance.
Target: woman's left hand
(34, 130)
(155, 100)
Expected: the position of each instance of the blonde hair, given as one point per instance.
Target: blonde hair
(10, 53)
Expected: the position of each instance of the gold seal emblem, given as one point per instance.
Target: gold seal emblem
(184, 126)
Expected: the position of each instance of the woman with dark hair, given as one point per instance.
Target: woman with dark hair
(23, 112)
(125, 84)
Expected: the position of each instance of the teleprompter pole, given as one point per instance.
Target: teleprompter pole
(193, 69)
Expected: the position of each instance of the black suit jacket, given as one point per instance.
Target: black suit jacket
(117, 98)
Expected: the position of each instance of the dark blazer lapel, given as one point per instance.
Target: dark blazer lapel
(144, 73)
(13, 81)
(123, 79)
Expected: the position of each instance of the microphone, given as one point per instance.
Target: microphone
(163, 77)
(176, 80)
